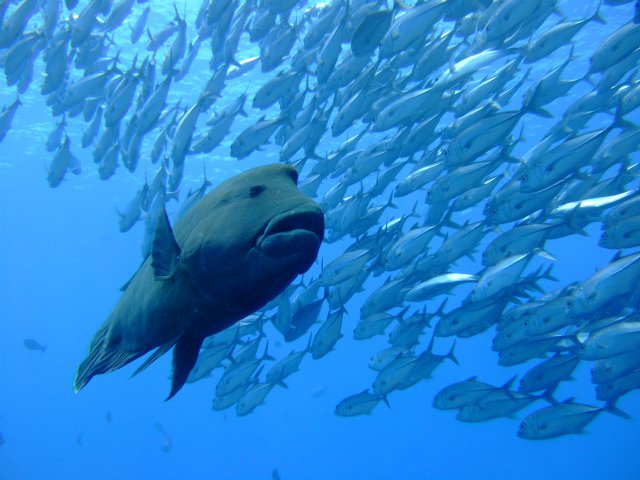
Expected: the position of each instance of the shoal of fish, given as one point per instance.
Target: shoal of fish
(440, 92)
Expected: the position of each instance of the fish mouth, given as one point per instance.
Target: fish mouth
(296, 233)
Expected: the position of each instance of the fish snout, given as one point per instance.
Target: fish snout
(296, 233)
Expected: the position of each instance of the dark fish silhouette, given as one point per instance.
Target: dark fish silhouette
(370, 32)
(230, 254)
(32, 344)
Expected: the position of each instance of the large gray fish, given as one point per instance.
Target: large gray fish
(230, 254)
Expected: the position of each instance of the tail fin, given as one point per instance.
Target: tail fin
(451, 356)
(102, 358)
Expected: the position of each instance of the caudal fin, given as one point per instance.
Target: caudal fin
(102, 358)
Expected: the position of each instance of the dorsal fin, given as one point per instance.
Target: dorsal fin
(165, 252)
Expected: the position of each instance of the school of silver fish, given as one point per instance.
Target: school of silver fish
(441, 93)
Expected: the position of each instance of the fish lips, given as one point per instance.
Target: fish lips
(295, 235)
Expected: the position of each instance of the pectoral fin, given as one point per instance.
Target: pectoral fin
(185, 354)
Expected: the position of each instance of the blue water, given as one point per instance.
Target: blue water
(62, 261)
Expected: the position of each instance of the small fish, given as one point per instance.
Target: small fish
(32, 344)
(318, 391)
(359, 404)
(563, 419)
(370, 32)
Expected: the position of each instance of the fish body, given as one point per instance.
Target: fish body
(32, 344)
(610, 369)
(616, 279)
(359, 404)
(558, 420)
(327, 335)
(253, 398)
(6, 117)
(489, 408)
(189, 288)
(615, 339)
(548, 374)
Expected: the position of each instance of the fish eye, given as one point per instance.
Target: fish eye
(256, 190)
(523, 425)
(293, 174)
(494, 211)
(524, 179)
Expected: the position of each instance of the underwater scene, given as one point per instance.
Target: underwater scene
(281, 239)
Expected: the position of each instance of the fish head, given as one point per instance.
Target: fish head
(445, 400)
(577, 304)
(605, 391)
(237, 148)
(530, 428)
(493, 212)
(247, 239)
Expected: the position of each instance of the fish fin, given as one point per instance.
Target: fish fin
(265, 355)
(165, 252)
(256, 376)
(548, 394)
(596, 17)
(282, 384)
(440, 311)
(541, 112)
(161, 350)
(451, 356)
(611, 408)
(545, 254)
(430, 347)
(507, 386)
(385, 400)
(102, 357)
(185, 354)
(74, 165)
(128, 282)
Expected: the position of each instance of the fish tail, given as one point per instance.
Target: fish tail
(611, 408)
(451, 356)
(102, 358)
